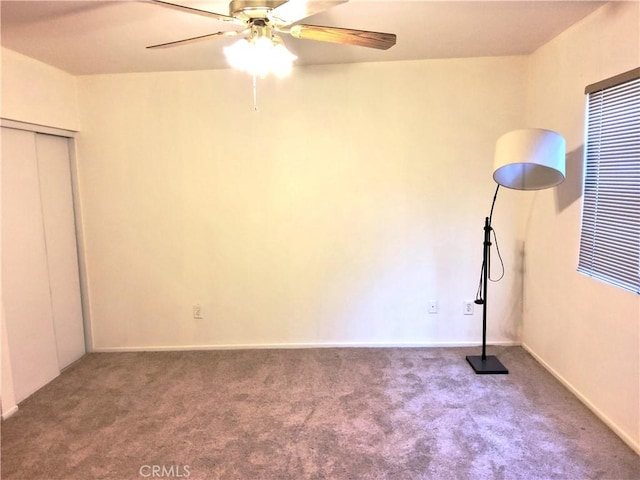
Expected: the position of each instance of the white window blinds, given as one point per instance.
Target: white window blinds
(610, 234)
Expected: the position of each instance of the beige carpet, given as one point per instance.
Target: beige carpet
(308, 414)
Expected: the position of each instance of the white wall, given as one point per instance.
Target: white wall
(331, 216)
(35, 92)
(585, 331)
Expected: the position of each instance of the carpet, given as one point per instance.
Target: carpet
(348, 413)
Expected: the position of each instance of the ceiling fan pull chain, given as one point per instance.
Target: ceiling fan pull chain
(255, 94)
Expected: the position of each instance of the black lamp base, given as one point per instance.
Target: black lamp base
(489, 365)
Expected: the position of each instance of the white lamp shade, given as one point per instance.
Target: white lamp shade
(529, 159)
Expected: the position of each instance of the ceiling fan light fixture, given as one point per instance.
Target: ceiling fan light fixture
(260, 54)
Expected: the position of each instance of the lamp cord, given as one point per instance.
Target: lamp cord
(495, 240)
(479, 298)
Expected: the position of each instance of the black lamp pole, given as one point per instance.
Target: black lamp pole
(486, 364)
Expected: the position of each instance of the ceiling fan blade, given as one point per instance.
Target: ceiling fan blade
(362, 38)
(294, 10)
(197, 11)
(199, 38)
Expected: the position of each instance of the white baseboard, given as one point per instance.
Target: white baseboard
(608, 422)
(262, 346)
(9, 412)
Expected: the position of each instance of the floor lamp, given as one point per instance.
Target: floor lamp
(528, 159)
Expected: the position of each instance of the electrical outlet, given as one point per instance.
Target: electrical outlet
(197, 311)
(433, 306)
(467, 307)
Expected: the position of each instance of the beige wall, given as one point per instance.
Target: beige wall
(35, 92)
(356, 194)
(585, 331)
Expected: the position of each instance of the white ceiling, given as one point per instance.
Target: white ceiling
(90, 37)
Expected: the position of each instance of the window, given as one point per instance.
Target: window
(610, 235)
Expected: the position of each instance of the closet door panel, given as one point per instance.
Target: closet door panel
(25, 280)
(60, 234)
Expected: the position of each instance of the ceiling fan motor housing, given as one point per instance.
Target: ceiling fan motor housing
(249, 10)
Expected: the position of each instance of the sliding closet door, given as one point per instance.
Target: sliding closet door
(25, 278)
(60, 235)
(40, 278)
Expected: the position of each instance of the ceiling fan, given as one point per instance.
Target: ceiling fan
(264, 18)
